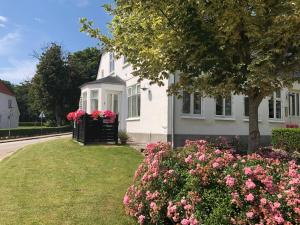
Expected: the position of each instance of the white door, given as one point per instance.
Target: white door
(113, 102)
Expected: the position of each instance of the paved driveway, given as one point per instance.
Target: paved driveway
(8, 148)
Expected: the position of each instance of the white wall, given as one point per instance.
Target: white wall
(5, 112)
(209, 124)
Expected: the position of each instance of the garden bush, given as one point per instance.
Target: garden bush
(29, 124)
(286, 138)
(35, 131)
(199, 184)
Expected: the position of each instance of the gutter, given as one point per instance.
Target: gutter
(173, 117)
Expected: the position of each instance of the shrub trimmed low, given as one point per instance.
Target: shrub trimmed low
(29, 124)
(286, 138)
(35, 131)
(200, 184)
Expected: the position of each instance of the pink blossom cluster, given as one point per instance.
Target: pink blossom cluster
(75, 116)
(185, 186)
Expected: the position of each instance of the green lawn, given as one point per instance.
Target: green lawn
(61, 182)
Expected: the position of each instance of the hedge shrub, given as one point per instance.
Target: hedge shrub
(286, 138)
(200, 184)
(29, 124)
(27, 132)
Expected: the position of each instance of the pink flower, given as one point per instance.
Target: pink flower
(247, 171)
(279, 219)
(230, 181)
(202, 158)
(250, 184)
(185, 222)
(218, 152)
(215, 165)
(141, 219)
(250, 215)
(276, 205)
(126, 200)
(249, 197)
(263, 201)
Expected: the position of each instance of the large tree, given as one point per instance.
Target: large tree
(48, 91)
(218, 47)
(82, 67)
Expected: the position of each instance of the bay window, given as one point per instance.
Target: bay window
(94, 100)
(84, 101)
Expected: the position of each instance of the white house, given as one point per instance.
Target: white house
(148, 114)
(9, 111)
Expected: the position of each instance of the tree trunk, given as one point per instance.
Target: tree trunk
(254, 134)
(58, 115)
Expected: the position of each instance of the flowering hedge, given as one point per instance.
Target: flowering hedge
(203, 185)
(75, 116)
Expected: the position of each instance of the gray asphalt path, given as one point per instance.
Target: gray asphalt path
(9, 148)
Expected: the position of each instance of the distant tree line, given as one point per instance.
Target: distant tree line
(54, 88)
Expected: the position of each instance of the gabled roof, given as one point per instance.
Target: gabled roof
(5, 90)
(107, 80)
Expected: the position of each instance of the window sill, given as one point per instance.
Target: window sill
(247, 120)
(276, 121)
(224, 118)
(125, 65)
(133, 119)
(192, 116)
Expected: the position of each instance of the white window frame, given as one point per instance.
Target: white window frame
(84, 101)
(94, 99)
(295, 105)
(275, 100)
(9, 103)
(192, 106)
(111, 62)
(224, 108)
(134, 91)
(244, 98)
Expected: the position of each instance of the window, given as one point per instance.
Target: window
(275, 106)
(9, 103)
(102, 73)
(294, 104)
(124, 59)
(84, 101)
(94, 100)
(246, 106)
(112, 102)
(191, 103)
(111, 62)
(134, 101)
(223, 106)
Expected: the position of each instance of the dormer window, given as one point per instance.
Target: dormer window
(111, 62)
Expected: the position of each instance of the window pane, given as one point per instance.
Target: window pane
(278, 109)
(94, 94)
(278, 94)
(271, 108)
(129, 107)
(139, 105)
(228, 106)
(219, 106)
(115, 108)
(246, 106)
(297, 104)
(197, 103)
(94, 104)
(109, 102)
(134, 106)
(293, 104)
(186, 102)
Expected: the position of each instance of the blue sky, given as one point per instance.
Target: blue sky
(28, 25)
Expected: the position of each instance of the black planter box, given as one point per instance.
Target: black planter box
(102, 130)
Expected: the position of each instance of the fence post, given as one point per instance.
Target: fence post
(116, 127)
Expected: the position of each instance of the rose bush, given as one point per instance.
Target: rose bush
(200, 184)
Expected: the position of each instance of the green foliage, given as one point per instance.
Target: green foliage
(286, 139)
(33, 131)
(29, 124)
(124, 137)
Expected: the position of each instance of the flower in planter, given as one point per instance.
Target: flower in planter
(71, 116)
(96, 114)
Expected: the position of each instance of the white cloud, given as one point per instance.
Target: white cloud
(39, 20)
(3, 20)
(19, 70)
(8, 42)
